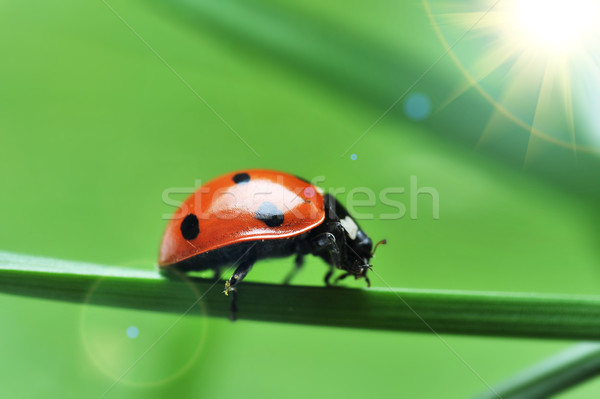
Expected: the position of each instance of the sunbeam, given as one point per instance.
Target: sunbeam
(537, 62)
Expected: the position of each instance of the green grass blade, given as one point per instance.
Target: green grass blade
(460, 312)
(553, 375)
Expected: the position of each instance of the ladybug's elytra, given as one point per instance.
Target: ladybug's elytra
(241, 217)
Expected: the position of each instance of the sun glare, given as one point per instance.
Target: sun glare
(556, 25)
(536, 61)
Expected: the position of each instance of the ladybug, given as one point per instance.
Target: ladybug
(242, 217)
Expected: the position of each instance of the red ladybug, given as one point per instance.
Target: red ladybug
(242, 217)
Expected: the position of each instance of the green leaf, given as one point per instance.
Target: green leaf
(555, 374)
(460, 312)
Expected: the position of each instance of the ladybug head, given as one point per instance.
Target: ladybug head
(358, 265)
(358, 249)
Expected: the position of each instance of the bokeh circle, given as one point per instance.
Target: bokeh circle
(142, 348)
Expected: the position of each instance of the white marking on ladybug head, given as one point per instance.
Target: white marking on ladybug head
(350, 226)
(320, 190)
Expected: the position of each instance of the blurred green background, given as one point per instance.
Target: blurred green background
(104, 107)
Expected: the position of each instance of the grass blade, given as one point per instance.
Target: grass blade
(460, 312)
(553, 375)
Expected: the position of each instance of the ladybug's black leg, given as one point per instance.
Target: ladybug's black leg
(368, 280)
(298, 262)
(341, 277)
(233, 307)
(237, 277)
(328, 276)
(327, 243)
(231, 284)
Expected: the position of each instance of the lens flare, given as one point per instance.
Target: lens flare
(537, 62)
(556, 25)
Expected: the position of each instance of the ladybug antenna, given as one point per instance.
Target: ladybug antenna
(376, 245)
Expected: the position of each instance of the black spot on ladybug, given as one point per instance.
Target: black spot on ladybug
(241, 178)
(269, 214)
(189, 227)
